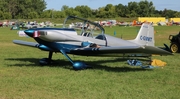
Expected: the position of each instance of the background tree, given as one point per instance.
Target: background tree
(64, 7)
(28, 9)
(7, 15)
(106, 12)
(121, 10)
(71, 11)
(20, 8)
(110, 11)
(35, 6)
(46, 14)
(12, 6)
(32, 15)
(168, 13)
(84, 10)
(100, 13)
(177, 14)
(3, 5)
(157, 13)
(146, 8)
(58, 14)
(134, 8)
(1, 15)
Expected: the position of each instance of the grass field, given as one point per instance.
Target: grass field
(21, 77)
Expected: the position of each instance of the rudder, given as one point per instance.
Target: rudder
(145, 35)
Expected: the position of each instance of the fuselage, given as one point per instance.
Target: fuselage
(67, 39)
(70, 39)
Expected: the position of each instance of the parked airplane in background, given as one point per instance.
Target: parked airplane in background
(91, 41)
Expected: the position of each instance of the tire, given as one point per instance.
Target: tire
(174, 47)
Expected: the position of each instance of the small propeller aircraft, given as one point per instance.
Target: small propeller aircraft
(90, 39)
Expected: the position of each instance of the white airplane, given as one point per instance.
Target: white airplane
(91, 42)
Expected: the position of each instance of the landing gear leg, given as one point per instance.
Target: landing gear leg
(76, 65)
(47, 61)
(50, 56)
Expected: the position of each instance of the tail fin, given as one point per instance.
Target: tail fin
(145, 35)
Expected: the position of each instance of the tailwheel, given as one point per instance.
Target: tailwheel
(174, 47)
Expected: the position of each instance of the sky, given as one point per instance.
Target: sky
(95, 4)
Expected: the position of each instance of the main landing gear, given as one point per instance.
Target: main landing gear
(46, 61)
(76, 65)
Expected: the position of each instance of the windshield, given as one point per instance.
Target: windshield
(84, 27)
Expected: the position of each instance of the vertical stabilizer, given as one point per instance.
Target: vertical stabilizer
(145, 35)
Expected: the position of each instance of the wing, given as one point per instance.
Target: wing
(120, 50)
(25, 43)
(32, 44)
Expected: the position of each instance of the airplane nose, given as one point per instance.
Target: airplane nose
(29, 32)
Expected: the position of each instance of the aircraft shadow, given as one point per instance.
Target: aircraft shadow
(35, 62)
(97, 65)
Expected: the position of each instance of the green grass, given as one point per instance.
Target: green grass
(111, 78)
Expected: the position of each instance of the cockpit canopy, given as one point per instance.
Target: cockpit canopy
(85, 27)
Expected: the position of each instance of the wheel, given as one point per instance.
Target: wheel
(175, 47)
(46, 61)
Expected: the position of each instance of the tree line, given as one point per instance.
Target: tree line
(30, 9)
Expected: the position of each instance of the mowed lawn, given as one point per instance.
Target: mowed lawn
(21, 76)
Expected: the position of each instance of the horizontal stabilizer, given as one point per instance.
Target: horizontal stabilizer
(156, 50)
(25, 43)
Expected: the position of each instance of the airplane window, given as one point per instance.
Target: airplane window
(101, 37)
(89, 35)
(84, 27)
(84, 34)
